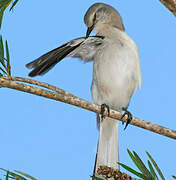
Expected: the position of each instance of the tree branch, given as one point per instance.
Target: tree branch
(170, 4)
(66, 97)
(41, 84)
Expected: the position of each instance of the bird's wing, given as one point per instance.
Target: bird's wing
(87, 49)
(83, 48)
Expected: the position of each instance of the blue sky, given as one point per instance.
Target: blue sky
(53, 140)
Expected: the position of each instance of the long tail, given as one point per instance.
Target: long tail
(107, 152)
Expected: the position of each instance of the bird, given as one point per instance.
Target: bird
(116, 72)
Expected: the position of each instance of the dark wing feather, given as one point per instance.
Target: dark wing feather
(82, 48)
(43, 64)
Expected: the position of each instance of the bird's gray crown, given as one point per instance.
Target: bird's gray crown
(103, 14)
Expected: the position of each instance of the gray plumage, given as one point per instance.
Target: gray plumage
(116, 71)
(83, 48)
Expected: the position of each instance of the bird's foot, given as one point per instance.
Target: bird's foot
(103, 109)
(129, 117)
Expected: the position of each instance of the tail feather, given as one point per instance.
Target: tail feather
(107, 152)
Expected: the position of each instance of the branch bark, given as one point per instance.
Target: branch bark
(63, 96)
(170, 4)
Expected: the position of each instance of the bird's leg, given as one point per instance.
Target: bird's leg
(103, 108)
(129, 117)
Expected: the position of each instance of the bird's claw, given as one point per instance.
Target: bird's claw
(103, 108)
(129, 117)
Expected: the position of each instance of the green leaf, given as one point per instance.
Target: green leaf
(26, 175)
(174, 177)
(1, 75)
(98, 177)
(3, 63)
(13, 5)
(16, 176)
(142, 165)
(3, 70)
(134, 160)
(1, 48)
(3, 5)
(7, 176)
(2, 53)
(132, 170)
(1, 15)
(152, 170)
(8, 59)
(156, 166)
(5, 2)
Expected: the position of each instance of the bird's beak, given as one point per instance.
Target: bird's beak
(89, 30)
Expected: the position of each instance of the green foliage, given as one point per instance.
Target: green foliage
(13, 4)
(145, 173)
(5, 68)
(98, 177)
(132, 170)
(153, 172)
(156, 166)
(1, 15)
(3, 5)
(8, 59)
(26, 175)
(22, 176)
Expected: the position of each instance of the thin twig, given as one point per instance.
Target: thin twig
(4, 82)
(170, 4)
(41, 84)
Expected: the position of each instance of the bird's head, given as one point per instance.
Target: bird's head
(99, 15)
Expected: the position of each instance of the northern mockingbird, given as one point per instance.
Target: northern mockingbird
(116, 71)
